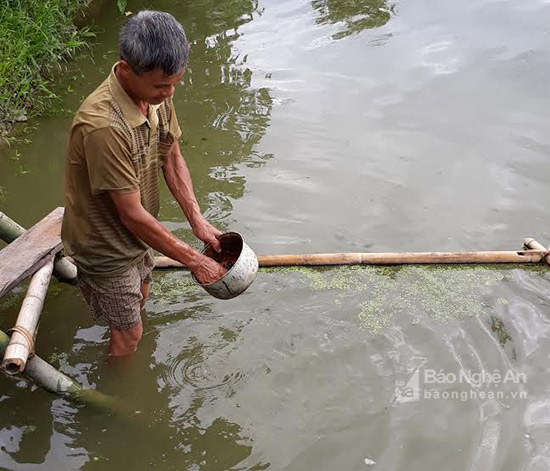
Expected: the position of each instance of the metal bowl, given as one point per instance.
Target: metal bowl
(241, 264)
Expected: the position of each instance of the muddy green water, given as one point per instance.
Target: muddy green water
(319, 126)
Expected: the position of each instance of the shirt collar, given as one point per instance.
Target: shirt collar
(130, 110)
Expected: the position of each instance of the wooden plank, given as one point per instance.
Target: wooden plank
(64, 269)
(30, 252)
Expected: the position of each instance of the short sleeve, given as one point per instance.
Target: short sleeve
(175, 129)
(109, 160)
(169, 130)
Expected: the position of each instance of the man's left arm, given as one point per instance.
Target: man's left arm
(179, 182)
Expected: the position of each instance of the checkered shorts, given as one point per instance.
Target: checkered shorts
(117, 299)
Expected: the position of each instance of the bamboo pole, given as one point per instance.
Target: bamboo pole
(52, 380)
(522, 256)
(10, 230)
(403, 258)
(65, 270)
(167, 262)
(533, 244)
(22, 340)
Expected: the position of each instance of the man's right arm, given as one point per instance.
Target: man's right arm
(144, 226)
(109, 160)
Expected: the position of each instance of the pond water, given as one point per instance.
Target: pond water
(321, 126)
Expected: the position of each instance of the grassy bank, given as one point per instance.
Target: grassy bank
(37, 37)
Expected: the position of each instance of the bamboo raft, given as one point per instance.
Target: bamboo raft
(36, 253)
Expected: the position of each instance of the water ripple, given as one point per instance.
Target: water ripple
(203, 372)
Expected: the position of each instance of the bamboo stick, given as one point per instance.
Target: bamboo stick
(22, 340)
(9, 229)
(403, 258)
(52, 380)
(64, 270)
(522, 256)
(167, 262)
(533, 244)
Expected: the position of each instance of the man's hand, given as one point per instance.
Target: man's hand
(208, 234)
(208, 271)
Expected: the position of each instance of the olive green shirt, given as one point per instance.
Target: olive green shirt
(112, 147)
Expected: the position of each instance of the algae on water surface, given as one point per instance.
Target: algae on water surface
(435, 293)
(442, 293)
(172, 287)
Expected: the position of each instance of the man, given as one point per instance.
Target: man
(122, 135)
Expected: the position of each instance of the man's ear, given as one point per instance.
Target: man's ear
(124, 69)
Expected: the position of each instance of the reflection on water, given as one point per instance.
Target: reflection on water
(505, 340)
(353, 16)
(222, 116)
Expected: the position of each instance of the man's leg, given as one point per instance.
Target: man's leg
(125, 342)
(144, 293)
(119, 299)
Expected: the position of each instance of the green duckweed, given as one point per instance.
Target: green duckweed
(435, 293)
(173, 287)
(430, 293)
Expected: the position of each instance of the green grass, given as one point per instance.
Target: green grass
(38, 36)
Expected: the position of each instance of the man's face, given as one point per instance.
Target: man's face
(153, 86)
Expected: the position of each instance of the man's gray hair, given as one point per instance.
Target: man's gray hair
(154, 40)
